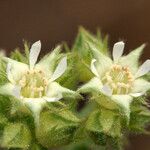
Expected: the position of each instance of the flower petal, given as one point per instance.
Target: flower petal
(35, 105)
(9, 74)
(118, 50)
(106, 90)
(93, 68)
(140, 86)
(133, 59)
(17, 68)
(144, 69)
(53, 99)
(60, 69)
(34, 53)
(16, 91)
(94, 85)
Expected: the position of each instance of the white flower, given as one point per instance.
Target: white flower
(118, 79)
(34, 84)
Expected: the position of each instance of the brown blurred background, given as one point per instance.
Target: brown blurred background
(53, 21)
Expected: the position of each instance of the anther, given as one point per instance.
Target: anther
(126, 69)
(40, 71)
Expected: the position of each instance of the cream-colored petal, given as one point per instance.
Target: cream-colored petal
(17, 91)
(60, 69)
(118, 50)
(17, 68)
(144, 69)
(106, 90)
(9, 74)
(93, 68)
(34, 53)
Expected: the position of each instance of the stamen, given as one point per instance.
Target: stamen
(119, 78)
(33, 84)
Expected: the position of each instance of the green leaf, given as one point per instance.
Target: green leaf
(16, 135)
(18, 56)
(103, 124)
(140, 119)
(56, 128)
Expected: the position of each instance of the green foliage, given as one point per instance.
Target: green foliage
(70, 124)
(56, 128)
(140, 117)
(70, 77)
(17, 55)
(16, 135)
(102, 125)
(82, 52)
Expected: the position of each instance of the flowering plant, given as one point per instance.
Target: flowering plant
(81, 96)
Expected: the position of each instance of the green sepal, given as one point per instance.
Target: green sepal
(16, 135)
(5, 105)
(18, 56)
(37, 147)
(3, 120)
(102, 125)
(56, 128)
(3, 123)
(82, 59)
(100, 43)
(70, 78)
(50, 61)
(83, 55)
(140, 117)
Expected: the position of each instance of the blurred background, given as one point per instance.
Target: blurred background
(53, 21)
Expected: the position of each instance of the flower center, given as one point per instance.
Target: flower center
(120, 79)
(33, 84)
